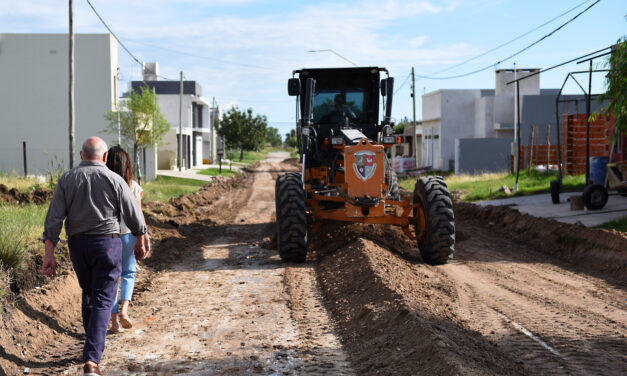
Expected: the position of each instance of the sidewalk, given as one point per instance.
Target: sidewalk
(540, 205)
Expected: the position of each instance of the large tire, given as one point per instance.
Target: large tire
(595, 196)
(438, 245)
(291, 218)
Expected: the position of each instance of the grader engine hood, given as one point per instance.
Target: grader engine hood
(364, 169)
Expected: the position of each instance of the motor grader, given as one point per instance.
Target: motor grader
(346, 174)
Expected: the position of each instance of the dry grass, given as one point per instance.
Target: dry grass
(23, 184)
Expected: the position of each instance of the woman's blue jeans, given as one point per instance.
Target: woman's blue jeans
(128, 270)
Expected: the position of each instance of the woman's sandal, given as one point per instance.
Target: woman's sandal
(126, 322)
(115, 331)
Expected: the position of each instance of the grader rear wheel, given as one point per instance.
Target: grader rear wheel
(291, 219)
(438, 243)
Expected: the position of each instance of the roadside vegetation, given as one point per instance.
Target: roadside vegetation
(22, 184)
(618, 225)
(490, 185)
(20, 227)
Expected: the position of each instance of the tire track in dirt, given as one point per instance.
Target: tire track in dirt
(580, 316)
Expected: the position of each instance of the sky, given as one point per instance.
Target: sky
(243, 51)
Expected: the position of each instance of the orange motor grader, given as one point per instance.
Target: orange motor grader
(346, 175)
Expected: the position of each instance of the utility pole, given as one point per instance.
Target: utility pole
(180, 158)
(516, 125)
(414, 138)
(117, 104)
(71, 86)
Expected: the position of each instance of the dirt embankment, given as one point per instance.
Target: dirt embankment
(524, 295)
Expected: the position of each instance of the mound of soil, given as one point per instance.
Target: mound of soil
(13, 196)
(366, 288)
(596, 249)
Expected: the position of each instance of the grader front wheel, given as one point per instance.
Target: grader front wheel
(438, 243)
(291, 218)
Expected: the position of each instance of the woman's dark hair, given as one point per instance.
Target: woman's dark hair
(119, 162)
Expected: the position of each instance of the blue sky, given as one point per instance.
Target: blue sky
(243, 51)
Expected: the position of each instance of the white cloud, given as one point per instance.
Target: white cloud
(249, 57)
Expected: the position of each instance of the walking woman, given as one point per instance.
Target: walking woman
(119, 162)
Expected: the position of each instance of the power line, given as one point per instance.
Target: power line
(510, 41)
(403, 84)
(516, 53)
(120, 42)
(197, 56)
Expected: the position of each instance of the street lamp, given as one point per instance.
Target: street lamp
(333, 52)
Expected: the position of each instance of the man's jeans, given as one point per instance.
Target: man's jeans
(96, 261)
(129, 268)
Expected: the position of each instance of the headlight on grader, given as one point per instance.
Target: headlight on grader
(337, 141)
(390, 140)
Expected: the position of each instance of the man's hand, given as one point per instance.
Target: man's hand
(49, 266)
(140, 248)
(147, 244)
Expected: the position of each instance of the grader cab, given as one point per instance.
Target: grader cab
(346, 175)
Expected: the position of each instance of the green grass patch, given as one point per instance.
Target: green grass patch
(213, 171)
(20, 228)
(618, 225)
(166, 187)
(486, 186)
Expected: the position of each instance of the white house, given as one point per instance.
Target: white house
(199, 136)
(34, 76)
(451, 114)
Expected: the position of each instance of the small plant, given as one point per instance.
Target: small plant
(56, 168)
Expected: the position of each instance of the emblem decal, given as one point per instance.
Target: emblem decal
(364, 165)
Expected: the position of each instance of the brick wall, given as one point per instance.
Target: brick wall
(574, 145)
(574, 148)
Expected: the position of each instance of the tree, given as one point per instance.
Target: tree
(616, 86)
(241, 130)
(291, 140)
(273, 137)
(141, 123)
(400, 127)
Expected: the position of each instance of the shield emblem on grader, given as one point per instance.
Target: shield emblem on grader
(364, 165)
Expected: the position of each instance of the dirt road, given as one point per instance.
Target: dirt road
(523, 296)
(223, 308)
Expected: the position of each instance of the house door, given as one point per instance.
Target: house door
(198, 151)
(427, 142)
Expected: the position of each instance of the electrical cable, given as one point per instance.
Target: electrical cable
(403, 84)
(514, 54)
(120, 42)
(198, 56)
(510, 41)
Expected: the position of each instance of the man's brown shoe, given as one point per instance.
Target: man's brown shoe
(91, 370)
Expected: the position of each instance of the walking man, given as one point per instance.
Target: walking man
(92, 199)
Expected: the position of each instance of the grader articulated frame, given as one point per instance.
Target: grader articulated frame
(346, 175)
